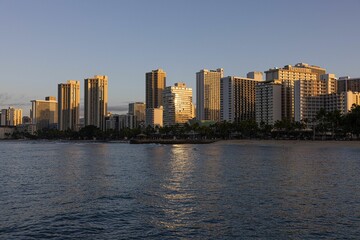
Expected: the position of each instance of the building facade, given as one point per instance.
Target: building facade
(44, 113)
(208, 94)
(96, 101)
(154, 117)
(268, 103)
(287, 77)
(155, 82)
(137, 109)
(11, 117)
(69, 105)
(345, 84)
(237, 98)
(178, 105)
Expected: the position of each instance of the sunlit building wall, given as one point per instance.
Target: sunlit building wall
(208, 94)
(137, 109)
(96, 101)
(287, 77)
(69, 105)
(237, 98)
(11, 117)
(44, 113)
(155, 82)
(154, 117)
(178, 104)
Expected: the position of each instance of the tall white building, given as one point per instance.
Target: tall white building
(237, 98)
(178, 106)
(44, 114)
(208, 94)
(69, 105)
(96, 101)
(268, 103)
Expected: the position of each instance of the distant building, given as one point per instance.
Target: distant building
(178, 106)
(155, 83)
(154, 117)
(237, 98)
(11, 117)
(208, 94)
(69, 105)
(44, 114)
(268, 103)
(96, 101)
(137, 109)
(345, 84)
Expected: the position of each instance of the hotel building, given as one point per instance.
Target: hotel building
(69, 105)
(44, 113)
(208, 94)
(178, 104)
(268, 103)
(237, 98)
(11, 117)
(96, 101)
(155, 84)
(137, 109)
(345, 84)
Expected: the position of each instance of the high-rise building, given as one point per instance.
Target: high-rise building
(154, 117)
(237, 98)
(69, 105)
(287, 76)
(268, 103)
(345, 84)
(155, 84)
(137, 109)
(178, 104)
(96, 101)
(208, 94)
(11, 117)
(309, 88)
(44, 114)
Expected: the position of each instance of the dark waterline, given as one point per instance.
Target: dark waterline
(227, 190)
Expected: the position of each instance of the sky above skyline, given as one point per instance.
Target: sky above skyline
(44, 43)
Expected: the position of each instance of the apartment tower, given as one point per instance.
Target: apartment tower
(44, 113)
(155, 84)
(69, 105)
(96, 101)
(208, 94)
(178, 104)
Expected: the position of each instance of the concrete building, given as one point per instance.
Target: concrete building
(268, 103)
(309, 88)
(345, 84)
(96, 101)
(178, 105)
(6, 132)
(11, 117)
(154, 117)
(69, 105)
(137, 109)
(287, 77)
(237, 98)
(44, 113)
(208, 94)
(155, 84)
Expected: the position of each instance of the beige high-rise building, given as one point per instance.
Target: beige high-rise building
(96, 101)
(137, 109)
(237, 98)
(44, 113)
(154, 117)
(208, 94)
(69, 105)
(155, 84)
(303, 89)
(268, 103)
(287, 76)
(11, 117)
(178, 104)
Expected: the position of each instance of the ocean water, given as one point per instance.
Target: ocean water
(226, 190)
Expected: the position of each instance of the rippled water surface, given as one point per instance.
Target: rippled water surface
(226, 190)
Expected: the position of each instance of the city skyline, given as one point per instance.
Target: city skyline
(41, 48)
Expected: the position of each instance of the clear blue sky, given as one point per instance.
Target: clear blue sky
(44, 43)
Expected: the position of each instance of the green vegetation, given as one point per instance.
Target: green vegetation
(326, 125)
